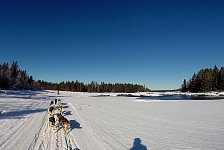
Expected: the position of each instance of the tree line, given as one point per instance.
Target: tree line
(12, 77)
(205, 80)
(76, 86)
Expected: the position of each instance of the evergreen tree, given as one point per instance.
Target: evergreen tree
(30, 81)
(193, 84)
(206, 80)
(14, 69)
(221, 87)
(5, 76)
(184, 86)
(215, 75)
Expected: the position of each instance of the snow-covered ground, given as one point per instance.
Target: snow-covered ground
(108, 122)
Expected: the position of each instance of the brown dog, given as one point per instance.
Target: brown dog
(60, 109)
(63, 122)
(51, 121)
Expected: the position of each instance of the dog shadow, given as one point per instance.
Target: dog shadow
(75, 124)
(67, 113)
(65, 106)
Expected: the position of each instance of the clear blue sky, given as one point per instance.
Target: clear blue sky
(153, 42)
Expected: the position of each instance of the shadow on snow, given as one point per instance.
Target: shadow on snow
(75, 124)
(67, 113)
(20, 113)
(137, 145)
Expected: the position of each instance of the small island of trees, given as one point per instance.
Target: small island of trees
(205, 80)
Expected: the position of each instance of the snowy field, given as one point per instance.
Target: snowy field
(103, 122)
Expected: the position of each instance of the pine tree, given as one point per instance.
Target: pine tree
(14, 69)
(184, 86)
(215, 74)
(30, 81)
(221, 78)
(206, 83)
(5, 76)
(193, 85)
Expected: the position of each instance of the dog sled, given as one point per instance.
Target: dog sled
(62, 121)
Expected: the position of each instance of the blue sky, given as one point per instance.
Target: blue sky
(150, 42)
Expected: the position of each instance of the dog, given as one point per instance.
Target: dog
(60, 109)
(52, 103)
(51, 110)
(51, 121)
(63, 122)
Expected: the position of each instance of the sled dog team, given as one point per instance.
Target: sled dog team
(63, 122)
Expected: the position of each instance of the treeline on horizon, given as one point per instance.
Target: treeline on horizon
(205, 80)
(76, 86)
(14, 78)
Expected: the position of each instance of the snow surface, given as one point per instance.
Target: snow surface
(108, 122)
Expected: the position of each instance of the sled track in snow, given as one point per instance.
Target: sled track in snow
(16, 129)
(18, 132)
(29, 129)
(55, 139)
(34, 142)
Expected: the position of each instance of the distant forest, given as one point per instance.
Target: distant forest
(76, 86)
(14, 78)
(205, 80)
